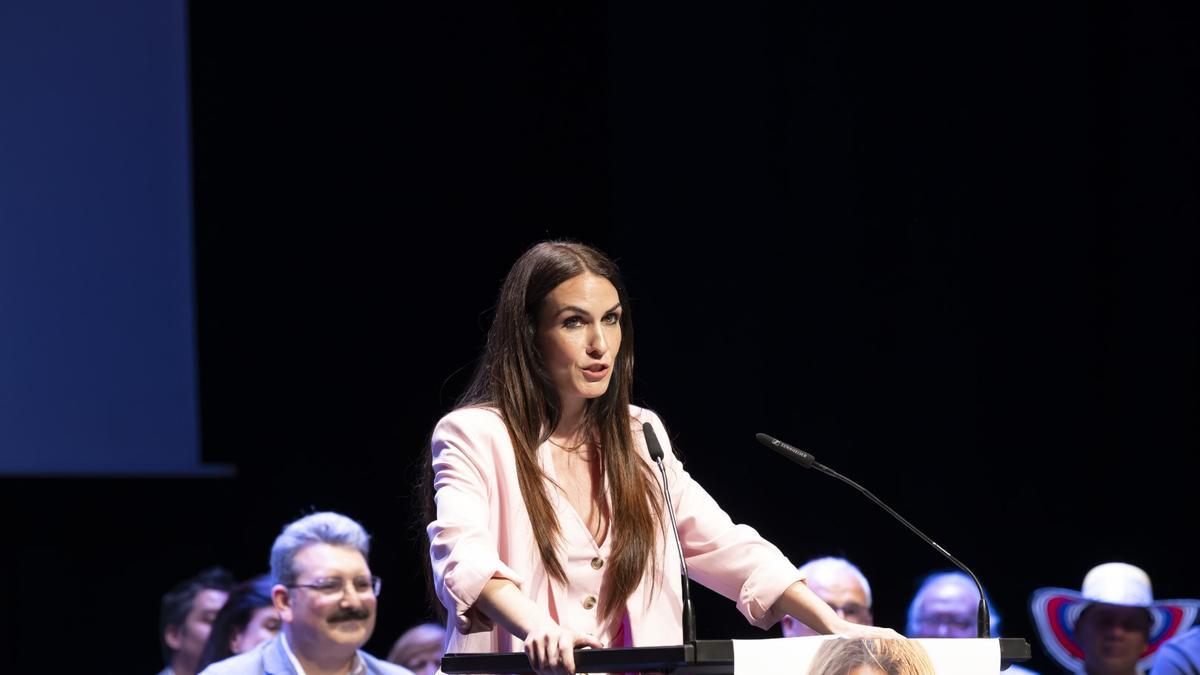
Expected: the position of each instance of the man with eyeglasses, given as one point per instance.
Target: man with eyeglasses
(326, 595)
(947, 606)
(842, 586)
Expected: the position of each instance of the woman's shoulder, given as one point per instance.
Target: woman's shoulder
(474, 433)
(472, 419)
(640, 415)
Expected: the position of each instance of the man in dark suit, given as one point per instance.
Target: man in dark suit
(327, 597)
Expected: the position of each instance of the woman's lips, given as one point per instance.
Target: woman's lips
(595, 373)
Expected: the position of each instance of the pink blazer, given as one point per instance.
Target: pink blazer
(482, 531)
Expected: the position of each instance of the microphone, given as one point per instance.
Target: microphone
(807, 461)
(656, 454)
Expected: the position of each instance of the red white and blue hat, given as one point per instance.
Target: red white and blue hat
(1055, 610)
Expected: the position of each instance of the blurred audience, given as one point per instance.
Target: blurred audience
(842, 586)
(946, 605)
(420, 649)
(186, 616)
(1112, 625)
(326, 597)
(1180, 656)
(248, 618)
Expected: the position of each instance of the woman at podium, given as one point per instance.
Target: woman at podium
(548, 528)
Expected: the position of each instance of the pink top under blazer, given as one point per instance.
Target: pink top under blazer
(482, 531)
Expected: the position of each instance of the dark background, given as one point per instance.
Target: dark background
(950, 250)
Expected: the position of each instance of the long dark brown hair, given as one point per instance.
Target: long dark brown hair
(511, 377)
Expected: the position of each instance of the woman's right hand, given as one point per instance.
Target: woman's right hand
(551, 648)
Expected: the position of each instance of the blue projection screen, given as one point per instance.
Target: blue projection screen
(97, 340)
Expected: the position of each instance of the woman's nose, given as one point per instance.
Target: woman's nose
(598, 344)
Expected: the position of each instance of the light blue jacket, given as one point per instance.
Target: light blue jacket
(269, 658)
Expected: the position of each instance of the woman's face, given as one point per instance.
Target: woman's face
(579, 334)
(263, 626)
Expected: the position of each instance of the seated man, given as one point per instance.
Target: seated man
(1112, 626)
(186, 618)
(842, 586)
(947, 606)
(420, 649)
(248, 618)
(326, 597)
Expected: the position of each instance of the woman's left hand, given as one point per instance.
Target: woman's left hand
(799, 601)
(858, 631)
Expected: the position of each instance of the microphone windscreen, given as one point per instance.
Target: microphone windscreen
(795, 454)
(652, 444)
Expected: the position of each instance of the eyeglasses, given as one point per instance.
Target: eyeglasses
(939, 625)
(336, 586)
(853, 611)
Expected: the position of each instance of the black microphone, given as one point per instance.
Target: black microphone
(656, 454)
(807, 461)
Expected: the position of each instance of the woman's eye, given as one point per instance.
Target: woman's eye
(612, 318)
(572, 322)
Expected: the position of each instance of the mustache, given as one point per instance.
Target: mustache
(349, 614)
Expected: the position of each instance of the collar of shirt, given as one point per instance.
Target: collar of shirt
(359, 667)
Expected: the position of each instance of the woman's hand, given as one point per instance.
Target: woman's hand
(551, 648)
(857, 631)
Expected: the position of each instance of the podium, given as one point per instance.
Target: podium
(704, 657)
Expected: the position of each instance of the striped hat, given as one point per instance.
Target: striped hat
(1056, 610)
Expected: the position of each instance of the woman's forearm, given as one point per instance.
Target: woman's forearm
(799, 601)
(549, 646)
(505, 604)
